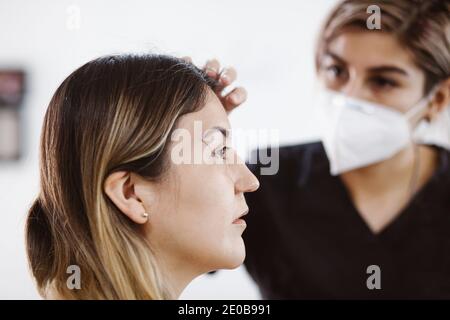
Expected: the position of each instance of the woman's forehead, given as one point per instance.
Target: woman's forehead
(370, 49)
(211, 115)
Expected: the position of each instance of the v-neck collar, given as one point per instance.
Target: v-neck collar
(418, 200)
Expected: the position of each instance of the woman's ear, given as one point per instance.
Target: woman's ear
(440, 101)
(120, 188)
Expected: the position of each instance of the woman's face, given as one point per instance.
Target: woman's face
(372, 66)
(193, 219)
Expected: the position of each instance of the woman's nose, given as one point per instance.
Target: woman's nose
(355, 88)
(246, 181)
(352, 88)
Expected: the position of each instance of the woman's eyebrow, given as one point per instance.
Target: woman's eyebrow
(378, 69)
(335, 57)
(393, 69)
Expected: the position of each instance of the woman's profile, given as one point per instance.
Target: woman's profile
(113, 203)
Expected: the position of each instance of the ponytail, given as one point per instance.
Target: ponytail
(39, 244)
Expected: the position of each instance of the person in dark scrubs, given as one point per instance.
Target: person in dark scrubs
(365, 212)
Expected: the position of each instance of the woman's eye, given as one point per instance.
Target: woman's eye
(384, 83)
(221, 152)
(335, 70)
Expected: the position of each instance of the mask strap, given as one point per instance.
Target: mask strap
(423, 103)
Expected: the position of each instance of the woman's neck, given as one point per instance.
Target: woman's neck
(177, 275)
(394, 173)
(379, 192)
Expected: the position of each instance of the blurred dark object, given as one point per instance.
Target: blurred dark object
(9, 134)
(11, 98)
(11, 87)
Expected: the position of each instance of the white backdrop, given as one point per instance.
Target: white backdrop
(270, 43)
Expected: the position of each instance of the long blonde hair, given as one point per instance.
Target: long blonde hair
(113, 113)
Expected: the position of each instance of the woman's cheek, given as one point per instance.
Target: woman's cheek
(206, 203)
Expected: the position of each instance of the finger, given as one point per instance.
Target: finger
(187, 59)
(227, 76)
(235, 98)
(212, 68)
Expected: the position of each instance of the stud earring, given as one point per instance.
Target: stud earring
(145, 215)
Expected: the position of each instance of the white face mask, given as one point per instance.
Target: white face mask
(357, 133)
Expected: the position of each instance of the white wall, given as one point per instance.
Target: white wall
(270, 43)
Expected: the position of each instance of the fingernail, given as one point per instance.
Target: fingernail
(224, 78)
(210, 70)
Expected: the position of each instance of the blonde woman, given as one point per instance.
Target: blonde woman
(112, 201)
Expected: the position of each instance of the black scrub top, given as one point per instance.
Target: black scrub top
(306, 240)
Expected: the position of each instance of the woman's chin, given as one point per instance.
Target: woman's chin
(237, 256)
(232, 257)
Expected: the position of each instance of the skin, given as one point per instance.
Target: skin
(374, 67)
(193, 209)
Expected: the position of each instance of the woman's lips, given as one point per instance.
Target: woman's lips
(239, 220)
